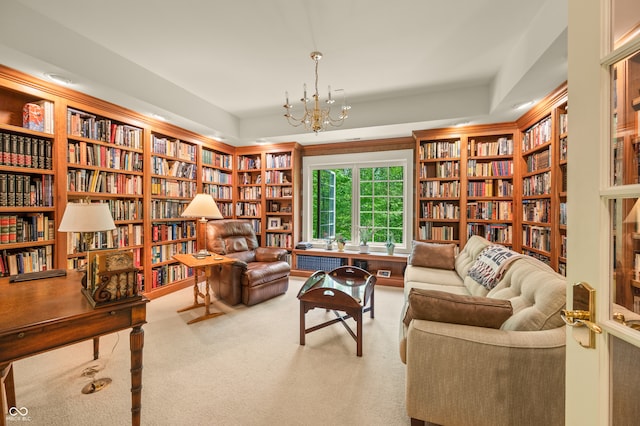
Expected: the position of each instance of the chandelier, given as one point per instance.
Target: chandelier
(316, 118)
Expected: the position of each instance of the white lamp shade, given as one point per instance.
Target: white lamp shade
(204, 206)
(86, 217)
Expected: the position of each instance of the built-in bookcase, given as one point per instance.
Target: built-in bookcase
(249, 187)
(217, 178)
(104, 164)
(27, 180)
(173, 178)
(440, 188)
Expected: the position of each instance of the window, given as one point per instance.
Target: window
(354, 191)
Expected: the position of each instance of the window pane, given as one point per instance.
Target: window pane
(381, 188)
(366, 174)
(381, 173)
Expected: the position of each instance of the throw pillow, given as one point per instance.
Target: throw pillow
(432, 255)
(490, 264)
(433, 305)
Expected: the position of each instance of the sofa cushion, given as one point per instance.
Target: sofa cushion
(536, 292)
(264, 272)
(469, 253)
(431, 255)
(441, 306)
(490, 264)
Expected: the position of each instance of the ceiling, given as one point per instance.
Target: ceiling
(221, 68)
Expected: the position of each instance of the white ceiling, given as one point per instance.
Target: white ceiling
(220, 68)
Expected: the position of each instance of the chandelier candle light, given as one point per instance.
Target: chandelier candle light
(204, 207)
(316, 118)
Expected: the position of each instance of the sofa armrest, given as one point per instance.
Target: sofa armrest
(459, 374)
(270, 254)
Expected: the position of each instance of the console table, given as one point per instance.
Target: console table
(42, 315)
(394, 264)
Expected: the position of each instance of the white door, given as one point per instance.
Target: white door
(603, 384)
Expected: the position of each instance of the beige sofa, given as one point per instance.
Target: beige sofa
(459, 374)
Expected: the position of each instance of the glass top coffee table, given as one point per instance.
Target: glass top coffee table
(345, 289)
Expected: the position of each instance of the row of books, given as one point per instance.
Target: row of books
(82, 180)
(124, 209)
(38, 116)
(491, 168)
(172, 231)
(30, 260)
(218, 192)
(128, 235)
(537, 184)
(279, 191)
(490, 188)
(248, 209)
(536, 135)
(173, 188)
(279, 240)
(83, 124)
(163, 167)
(174, 148)
(216, 159)
(490, 210)
(536, 210)
(564, 145)
(101, 240)
(278, 161)
(440, 149)
(502, 146)
(250, 193)
(539, 161)
(439, 189)
(26, 228)
(497, 233)
(428, 231)
(167, 274)
(25, 151)
(165, 252)
(166, 209)
(440, 210)
(18, 190)
(537, 237)
(86, 154)
(440, 169)
(215, 176)
(249, 163)
(276, 176)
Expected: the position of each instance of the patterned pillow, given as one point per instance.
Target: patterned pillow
(490, 264)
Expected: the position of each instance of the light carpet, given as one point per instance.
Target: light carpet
(243, 368)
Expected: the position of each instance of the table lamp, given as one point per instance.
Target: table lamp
(204, 207)
(87, 219)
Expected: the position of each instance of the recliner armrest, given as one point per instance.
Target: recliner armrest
(270, 254)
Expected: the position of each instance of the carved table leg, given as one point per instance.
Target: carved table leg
(96, 348)
(302, 324)
(136, 343)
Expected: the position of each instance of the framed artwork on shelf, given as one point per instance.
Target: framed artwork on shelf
(275, 207)
(287, 191)
(274, 223)
(384, 273)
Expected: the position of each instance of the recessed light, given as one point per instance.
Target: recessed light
(157, 116)
(57, 78)
(462, 123)
(262, 141)
(524, 105)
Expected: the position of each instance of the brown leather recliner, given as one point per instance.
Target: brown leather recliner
(258, 274)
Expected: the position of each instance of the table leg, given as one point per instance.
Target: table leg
(96, 348)
(302, 324)
(136, 343)
(357, 315)
(207, 312)
(373, 296)
(7, 389)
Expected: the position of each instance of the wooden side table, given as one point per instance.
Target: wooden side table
(205, 265)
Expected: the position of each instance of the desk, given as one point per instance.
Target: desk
(42, 315)
(203, 264)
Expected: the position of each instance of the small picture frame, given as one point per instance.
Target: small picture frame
(384, 273)
(275, 207)
(287, 191)
(274, 223)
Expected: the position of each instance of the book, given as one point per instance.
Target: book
(33, 117)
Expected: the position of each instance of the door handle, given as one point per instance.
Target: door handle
(583, 313)
(578, 318)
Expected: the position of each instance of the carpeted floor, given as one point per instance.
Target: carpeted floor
(242, 368)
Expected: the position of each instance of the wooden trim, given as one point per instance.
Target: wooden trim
(359, 146)
(543, 108)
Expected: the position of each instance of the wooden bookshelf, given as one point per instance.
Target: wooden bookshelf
(268, 192)
(217, 178)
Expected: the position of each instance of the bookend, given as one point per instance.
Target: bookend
(111, 278)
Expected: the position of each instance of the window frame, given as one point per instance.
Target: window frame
(402, 158)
